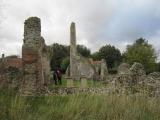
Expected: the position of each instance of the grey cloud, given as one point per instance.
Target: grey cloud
(98, 22)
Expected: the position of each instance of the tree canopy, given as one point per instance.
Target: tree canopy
(111, 54)
(140, 51)
(64, 64)
(143, 52)
(60, 55)
(59, 52)
(83, 50)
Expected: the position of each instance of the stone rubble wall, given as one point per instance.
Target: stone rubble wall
(36, 69)
(84, 68)
(80, 66)
(32, 72)
(104, 70)
(135, 80)
(10, 72)
(123, 68)
(74, 90)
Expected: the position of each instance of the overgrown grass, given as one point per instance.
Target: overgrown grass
(78, 107)
(77, 83)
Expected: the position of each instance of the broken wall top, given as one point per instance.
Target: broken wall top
(32, 27)
(32, 32)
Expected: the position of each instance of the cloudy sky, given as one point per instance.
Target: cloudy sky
(98, 22)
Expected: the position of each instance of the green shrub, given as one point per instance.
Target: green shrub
(65, 64)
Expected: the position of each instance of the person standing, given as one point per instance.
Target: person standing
(59, 76)
(55, 77)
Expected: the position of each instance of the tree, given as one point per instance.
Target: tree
(60, 55)
(83, 50)
(143, 52)
(96, 56)
(64, 64)
(158, 66)
(59, 52)
(111, 54)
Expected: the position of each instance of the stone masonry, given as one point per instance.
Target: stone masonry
(104, 70)
(10, 71)
(80, 66)
(36, 69)
(31, 73)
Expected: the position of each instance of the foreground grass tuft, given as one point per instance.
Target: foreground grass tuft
(78, 107)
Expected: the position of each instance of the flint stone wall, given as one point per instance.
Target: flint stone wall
(36, 69)
(104, 70)
(123, 68)
(80, 66)
(131, 76)
(136, 80)
(10, 72)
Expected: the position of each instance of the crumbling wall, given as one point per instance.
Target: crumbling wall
(123, 68)
(35, 63)
(85, 69)
(130, 76)
(2, 79)
(134, 80)
(46, 66)
(10, 72)
(80, 66)
(104, 70)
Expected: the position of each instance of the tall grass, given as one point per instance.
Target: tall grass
(78, 107)
(76, 83)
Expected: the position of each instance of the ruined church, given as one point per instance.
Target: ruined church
(31, 74)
